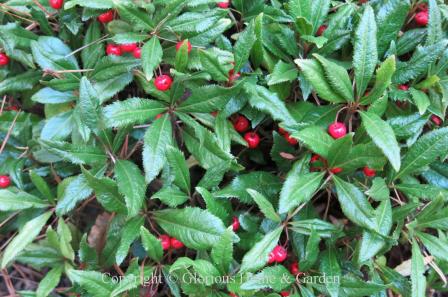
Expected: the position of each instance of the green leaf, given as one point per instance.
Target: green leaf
(425, 151)
(277, 278)
(131, 184)
(379, 190)
(20, 82)
(89, 106)
(418, 279)
(171, 196)
(421, 100)
(365, 55)
(211, 64)
(140, 19)
(354, 204)
(435, 31)
(315, 75)
(316, 140)
(371, 243)
(151, 244)
(330, 266)
(49, 282)
(265, 206)
(201, 233)
(76, 189)
(182, 57)
(383, 80)
(321, 228)
(95, 283)
(337, 77)
(92, 52)
(10, 201)
(383, 136)
(129, 233)
(156, 140)
(132, 111)
(319, 10)
(50, 96)
(438, 247)
(214, 205)
(152, 53)
(208, 98)
(390, 19)
(177, 162)
(419, 62)
(283, 72)
(41, 186)
(222, 252)
(77, 154)
(26, 235)
(243, 46)
(269, 102)
(258, 255)
(65, 238)
(298, 188)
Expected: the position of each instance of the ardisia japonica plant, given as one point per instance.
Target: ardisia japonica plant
(210, 148)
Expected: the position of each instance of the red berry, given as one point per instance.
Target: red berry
(106, 17)
(241, 124)
(362, 1)
(128, 47)
(214, 113)
(223, 5)
(252, 139)
(436, 120)
(321, 30)
(233, 294)
(294, 268)
(337, 130)
(282, 131)
(421, 18)
(5, 181)
(369, 172)
(137, 53)
(284, 294)
(176, 244)
(235, 224)
(403, 87)
(336, 170)
(4, 59)
(56, 4)
(290, 139)
(158, 116)
(314, 158)
(271, 258)
(113, 50)
(163, 82)
(166, 241)
(14, 108)
(180, 43)
(280, 253)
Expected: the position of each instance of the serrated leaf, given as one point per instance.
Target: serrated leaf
(283, 72)
(49, 282)
(11, 201)
(212, 65)
(424, 151)
(156, 140)
(151, 244)
(354, 204)
(418, 279)
(177, 162)
(171, 196)
(337, 77)
(258, 255)
(298, 189)
(330, 266)
(77, 154)
(152, 53)
(138, 18)
(316, 140)
(50, 96)
(131, 184)
(383, 80)
(383, 136)
(132, 111)
(365, 54)
(130, 232)
(94, 282)
(315, 75)
(265, 206)
(243, 46)
(277, 278)
(202, 233)
(435, 31)
(421, 100)
(26, 235)
(222, 252)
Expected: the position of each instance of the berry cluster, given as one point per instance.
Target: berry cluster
(170, 242)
